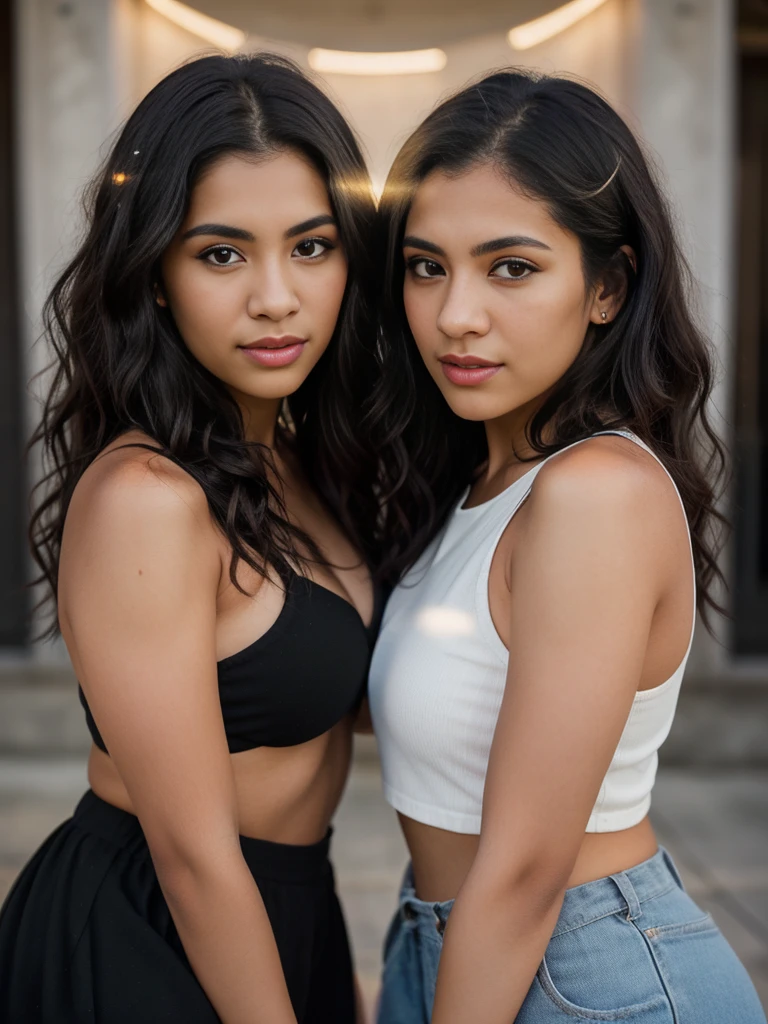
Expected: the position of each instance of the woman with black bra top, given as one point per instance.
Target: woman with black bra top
(204, 535)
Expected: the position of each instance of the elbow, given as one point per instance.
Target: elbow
(193, 874)
(532, 882)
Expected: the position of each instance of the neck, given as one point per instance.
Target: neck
(259, 418)
(507, 440)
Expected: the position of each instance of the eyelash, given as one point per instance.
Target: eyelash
(421, 261)
(416, 261)
(218, 248)
(517, 263)
(324, 242)
(327, 245)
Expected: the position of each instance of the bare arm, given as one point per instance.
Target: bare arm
(139, 578)
(585, 585)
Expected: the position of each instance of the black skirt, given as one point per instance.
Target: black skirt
(86, 935)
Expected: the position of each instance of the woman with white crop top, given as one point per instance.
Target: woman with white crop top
(549, 494)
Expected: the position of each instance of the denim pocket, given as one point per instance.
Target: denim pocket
(653, 1011)
(604, 971)
(705, 980)
(700, 924)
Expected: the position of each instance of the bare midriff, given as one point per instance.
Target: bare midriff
(284, 794)
(441, 860)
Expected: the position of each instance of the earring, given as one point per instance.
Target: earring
(604, 315)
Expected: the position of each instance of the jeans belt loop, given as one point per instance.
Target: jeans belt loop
(627, 890)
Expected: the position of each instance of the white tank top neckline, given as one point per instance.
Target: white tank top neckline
(438, 674)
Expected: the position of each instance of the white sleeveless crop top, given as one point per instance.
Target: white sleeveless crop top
(438, 674)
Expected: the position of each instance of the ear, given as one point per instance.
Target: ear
(611, 288)
(160, 298)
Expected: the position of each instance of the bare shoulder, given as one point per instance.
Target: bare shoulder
(134, 483)
(611, 493)
(611, 472)
(132, 500)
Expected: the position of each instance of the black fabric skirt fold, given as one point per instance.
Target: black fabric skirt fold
(86, 934)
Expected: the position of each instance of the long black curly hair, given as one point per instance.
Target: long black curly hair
(649, 371)
(120, 362)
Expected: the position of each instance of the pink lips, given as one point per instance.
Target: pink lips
(470, 369)
(275, 352)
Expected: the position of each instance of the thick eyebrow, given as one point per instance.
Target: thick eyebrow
(310, 225)
(421, 243)
(510, 242)
(483, 249)
(227, 231)
(222, 230)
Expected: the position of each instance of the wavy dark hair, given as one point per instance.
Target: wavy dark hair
(649, 371)
(120, 362)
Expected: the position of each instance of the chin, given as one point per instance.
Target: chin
(477, 407)
(269, 390)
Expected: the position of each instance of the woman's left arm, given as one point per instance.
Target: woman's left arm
(587, 577)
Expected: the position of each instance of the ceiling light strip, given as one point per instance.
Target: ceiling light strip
(532, 33)
(213, 31)
(349, 62)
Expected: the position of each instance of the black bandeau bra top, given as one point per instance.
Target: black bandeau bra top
(299, 678)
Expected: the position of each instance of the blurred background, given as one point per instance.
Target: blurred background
(691, 76)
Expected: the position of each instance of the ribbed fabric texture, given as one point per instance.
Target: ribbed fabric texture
(438, 675)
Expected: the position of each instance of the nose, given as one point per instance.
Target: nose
(463, 311)
(273, 294)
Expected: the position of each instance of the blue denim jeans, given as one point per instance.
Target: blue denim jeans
(630, 947)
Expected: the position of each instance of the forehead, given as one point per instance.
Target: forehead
(281, 188)
(479, 204)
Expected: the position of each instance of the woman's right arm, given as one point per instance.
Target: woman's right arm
(138, 584)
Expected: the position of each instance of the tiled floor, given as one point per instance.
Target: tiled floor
(714, 823)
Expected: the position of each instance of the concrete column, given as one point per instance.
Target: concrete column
(684, 56)
(71, 74)
(684, 100)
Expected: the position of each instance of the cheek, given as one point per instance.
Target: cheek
(203, 306)
(548, 328)
(421, 311)
(323, 294)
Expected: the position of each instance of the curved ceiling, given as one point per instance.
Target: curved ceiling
(373, 24)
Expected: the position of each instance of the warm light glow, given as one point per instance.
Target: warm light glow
(405, 62)
(119, 178)
(540, 29)
(217, 32)
(441, 620)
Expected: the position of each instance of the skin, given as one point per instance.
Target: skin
(147, 607)
(590, 587)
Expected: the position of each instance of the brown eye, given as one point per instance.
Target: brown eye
(312, 248)
(222, 256)
(423, 267)
(513, 270)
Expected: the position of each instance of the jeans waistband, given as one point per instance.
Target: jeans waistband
(281, 862)
(622, 893)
